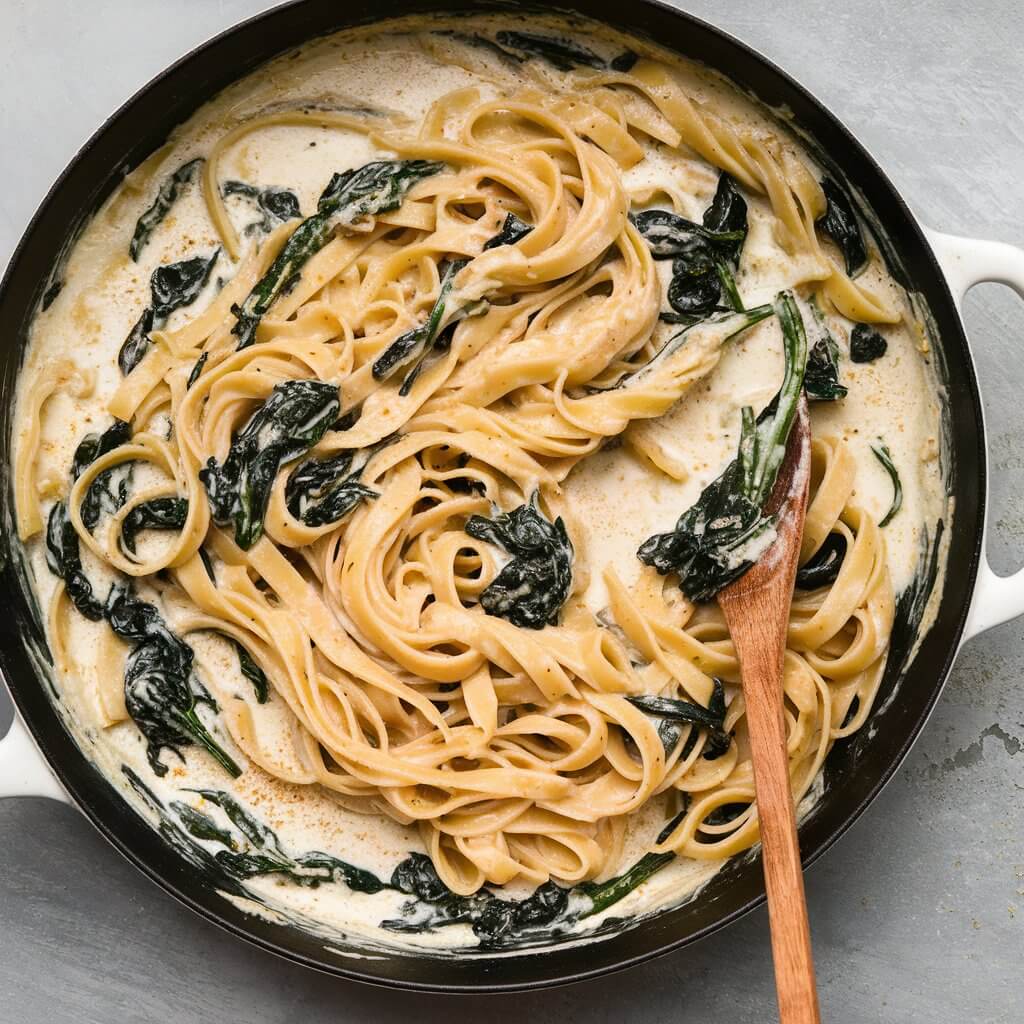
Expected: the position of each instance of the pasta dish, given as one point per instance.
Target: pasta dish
(384, 443)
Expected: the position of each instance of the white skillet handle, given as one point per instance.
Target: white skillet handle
(967, 262)
(23, 771)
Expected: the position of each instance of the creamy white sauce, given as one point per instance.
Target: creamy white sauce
(617, 500)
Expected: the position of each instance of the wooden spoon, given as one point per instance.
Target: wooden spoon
(756, 608)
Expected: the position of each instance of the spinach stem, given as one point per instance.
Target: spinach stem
(884, 456)
(731, 292)
(608, 893)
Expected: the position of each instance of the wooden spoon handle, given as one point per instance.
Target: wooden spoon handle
(784, 880)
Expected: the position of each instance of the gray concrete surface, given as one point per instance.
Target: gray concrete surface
(917, 914)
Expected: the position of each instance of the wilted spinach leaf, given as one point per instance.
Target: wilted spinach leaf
(866, 344)
(913, 599)
(409, 348)
(292, 419)
(155, 514)
(94, 445)
(376, 187)
(63, 557)
(136, 345)
(821, 381)
(531, 589)
(251, 849)
(512, 230)
(174, 285)
(482, 43)
(322, 491)
(197, 369)
(252, 672)
(724, 814)
(559, 53)
(167, 195)
(822, 568)
(500, 922)
(602, 895)
(711, 718)
(257, 851)
(718, 539)
(670, 236)
(841, 225)
(730, 323)
(727, 216)
(275, 205)
(53, 289)
(202, 826)
(63, 553)
(624, 62)
(412, 348)
(101, 496)
(161, 692)
(884, 456)
(703, 256)
(694, 295)
(171, 286)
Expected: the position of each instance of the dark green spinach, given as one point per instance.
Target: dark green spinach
(64, 559)
(374, 188)
(821, 381)
(275, 205)
(292, 419)
(412, 349)
(531, 589)
(732, 324)
(721, 536)
(202, 826)
(248, 667)
(171, 286)
(559, 53)
(840, 223)
(912, 601)
(482, 43)
(167, 195)
(866, 344)
(512, 230)
(822, 568)
(884, 456)
(101, 496)
(53, 289)
(409, 347)
(711, 718)
(155, 514)
(63, 551)
(322, 491)
(624, 62)
(499, 922)
(250, 848)
(197, 369)
(161, 692)
(704, 256)
(256, 850)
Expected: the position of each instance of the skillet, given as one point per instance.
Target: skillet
(40, 757)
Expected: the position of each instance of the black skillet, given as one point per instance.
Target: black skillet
(856, 769)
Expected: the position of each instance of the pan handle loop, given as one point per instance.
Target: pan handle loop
(23, 770)
(967, 262)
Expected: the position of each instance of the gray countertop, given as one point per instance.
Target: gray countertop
(917, 914)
